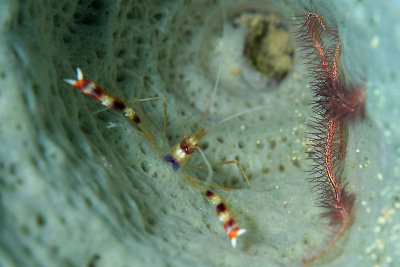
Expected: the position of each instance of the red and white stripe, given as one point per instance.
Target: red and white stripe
(231, 227)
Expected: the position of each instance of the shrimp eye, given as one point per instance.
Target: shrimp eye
(186, 149)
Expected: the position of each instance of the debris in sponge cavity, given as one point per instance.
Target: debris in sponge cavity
(267, 45)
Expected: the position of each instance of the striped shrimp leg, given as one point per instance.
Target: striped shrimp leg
(93, 90)
(230, 224)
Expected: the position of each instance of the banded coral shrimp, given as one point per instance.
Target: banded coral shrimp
(183, 149)
(231, 136)
(178, 155)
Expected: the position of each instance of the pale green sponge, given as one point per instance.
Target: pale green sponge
(81, 186)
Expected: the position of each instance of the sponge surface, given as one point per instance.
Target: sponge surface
(81, 185)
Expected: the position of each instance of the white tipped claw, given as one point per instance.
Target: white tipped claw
(79, 74)
(69, 81)
(239, 233)
(234, 242)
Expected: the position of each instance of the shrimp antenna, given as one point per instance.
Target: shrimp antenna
(209, 168)
(237, 115)
(217, 80)
(223, 54)
(241, 113)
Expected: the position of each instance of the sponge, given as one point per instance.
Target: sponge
(81, 185)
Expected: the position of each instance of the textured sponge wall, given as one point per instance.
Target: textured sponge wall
(81, 185)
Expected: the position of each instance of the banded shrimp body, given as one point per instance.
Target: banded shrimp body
(179, 154)
(94, 194)
(217, 61)
(214, 62)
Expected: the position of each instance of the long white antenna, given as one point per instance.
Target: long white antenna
(237, 115)
(209, 168)
(222, 57)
